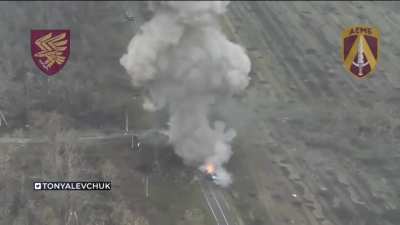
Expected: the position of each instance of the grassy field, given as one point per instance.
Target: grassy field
(174, 197)
(316, 146)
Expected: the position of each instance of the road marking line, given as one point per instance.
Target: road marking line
(209, 205)
(219, 206)
(228, 206)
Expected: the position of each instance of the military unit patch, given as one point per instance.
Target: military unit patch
(360, 50)
(50, 49)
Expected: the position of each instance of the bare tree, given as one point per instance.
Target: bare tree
(2, 119)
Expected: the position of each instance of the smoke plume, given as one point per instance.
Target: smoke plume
(187, 64)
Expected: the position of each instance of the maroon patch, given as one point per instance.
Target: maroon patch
(348, 43)
(50, 49)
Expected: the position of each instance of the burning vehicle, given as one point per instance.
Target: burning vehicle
(188, 87)
(210, 173)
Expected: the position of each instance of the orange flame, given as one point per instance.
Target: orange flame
(210, 168)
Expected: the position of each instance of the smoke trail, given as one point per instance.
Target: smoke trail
(187, 64)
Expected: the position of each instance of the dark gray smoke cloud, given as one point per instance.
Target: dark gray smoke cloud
(185, 61)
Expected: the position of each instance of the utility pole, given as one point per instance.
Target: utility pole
(126, 122)
(132, 144)
(147, 186)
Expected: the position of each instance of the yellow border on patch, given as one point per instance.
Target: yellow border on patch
(375, 33)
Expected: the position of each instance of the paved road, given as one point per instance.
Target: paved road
(217, 204)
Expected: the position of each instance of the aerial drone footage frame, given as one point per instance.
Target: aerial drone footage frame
(199, 113)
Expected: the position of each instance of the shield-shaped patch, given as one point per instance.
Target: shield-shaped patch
(50, 49)
(360, 50)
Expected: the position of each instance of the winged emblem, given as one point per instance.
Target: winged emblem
(50, 49)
